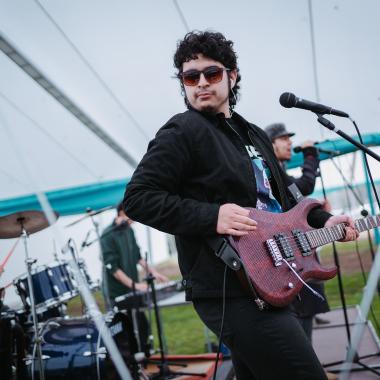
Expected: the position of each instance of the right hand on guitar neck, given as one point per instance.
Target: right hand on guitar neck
(234, 220)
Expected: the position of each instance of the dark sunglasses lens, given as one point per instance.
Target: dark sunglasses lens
(213, 74)
(191, 78)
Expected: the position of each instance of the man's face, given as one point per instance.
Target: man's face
(205, 96)
(283, 148)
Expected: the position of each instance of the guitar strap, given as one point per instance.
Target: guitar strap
(296, 193)
(225, 251)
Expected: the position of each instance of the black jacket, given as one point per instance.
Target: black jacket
(195, 164)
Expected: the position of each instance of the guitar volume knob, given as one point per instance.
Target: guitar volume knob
(290, 285)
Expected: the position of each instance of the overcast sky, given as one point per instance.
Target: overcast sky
(130, 46)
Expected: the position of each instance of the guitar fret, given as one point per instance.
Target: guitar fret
(310, 237)
(313, 241)
(358, 225)
(336, 233)
(319, 237)
(327, 235)
(331, 236)
(362, 225)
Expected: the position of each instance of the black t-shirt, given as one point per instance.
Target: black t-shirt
(265, 198)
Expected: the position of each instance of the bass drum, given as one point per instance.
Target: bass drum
(72, 349)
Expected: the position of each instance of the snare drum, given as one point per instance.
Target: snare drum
(73, 349)
(44, 294)
(61, 282)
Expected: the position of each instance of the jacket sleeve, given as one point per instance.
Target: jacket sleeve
(111, 259)
(153, 196)
(306, 182)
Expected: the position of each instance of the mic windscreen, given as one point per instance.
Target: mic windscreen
(288, 100)
(297, 149)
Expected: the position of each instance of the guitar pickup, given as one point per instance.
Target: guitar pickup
(283, 243)
(302, 242)
(274, 251)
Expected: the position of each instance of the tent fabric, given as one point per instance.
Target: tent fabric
(75, 200)
(340, 145)
(70, 201)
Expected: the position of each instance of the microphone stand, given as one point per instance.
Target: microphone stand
(329, 125)
(356, 359)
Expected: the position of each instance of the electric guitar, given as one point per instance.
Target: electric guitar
(281, 251)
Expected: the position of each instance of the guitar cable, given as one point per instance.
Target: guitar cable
(222, 322)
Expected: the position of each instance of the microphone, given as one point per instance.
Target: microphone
(289, 100)
(298, 149)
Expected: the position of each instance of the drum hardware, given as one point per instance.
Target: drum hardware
(73, 348)
(94, 313)
(21, 225)
(164, 370)
(89, 214)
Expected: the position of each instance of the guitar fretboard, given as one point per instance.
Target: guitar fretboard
(327, 235)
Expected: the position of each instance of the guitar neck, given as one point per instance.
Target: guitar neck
(327, 235)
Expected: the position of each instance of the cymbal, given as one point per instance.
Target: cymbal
(89, 213)
(32, 221)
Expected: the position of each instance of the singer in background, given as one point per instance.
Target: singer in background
(282, 145)
(121, 255)
(308, 306)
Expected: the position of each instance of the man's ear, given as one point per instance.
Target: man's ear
(233, 76)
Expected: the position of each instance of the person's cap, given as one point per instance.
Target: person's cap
(277, 130)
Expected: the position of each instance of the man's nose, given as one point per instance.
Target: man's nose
(203, 81)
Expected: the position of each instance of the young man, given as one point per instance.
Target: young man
(282, 146)
(203, 167)
(121, 255)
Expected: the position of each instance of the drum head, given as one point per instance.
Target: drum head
(72, 346)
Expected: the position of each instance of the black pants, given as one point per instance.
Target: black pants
(265, 345)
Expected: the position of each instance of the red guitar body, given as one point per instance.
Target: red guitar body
(278, 285)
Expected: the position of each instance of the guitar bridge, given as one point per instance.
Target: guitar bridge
(274, 251)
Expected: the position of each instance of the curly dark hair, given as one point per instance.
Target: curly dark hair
(212, 45)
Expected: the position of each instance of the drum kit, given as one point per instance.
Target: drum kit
(57, 346)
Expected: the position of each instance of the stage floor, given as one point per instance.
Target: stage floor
(330, 342)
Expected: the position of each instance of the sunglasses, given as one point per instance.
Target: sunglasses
(213, 74)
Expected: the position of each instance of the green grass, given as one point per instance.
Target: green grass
(353, 288)
(349, 246)
(184, 332)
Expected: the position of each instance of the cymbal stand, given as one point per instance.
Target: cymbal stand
(107, 302)
(37, 338)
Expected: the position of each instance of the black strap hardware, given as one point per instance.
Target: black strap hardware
(225, 252)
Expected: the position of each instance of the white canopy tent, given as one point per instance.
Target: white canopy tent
(113, 60)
